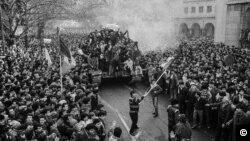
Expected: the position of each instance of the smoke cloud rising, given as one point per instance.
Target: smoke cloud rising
(150, 22)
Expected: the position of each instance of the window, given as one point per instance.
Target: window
(201, 9)
(236, 7)
(193, 9)
(209, 9)
(186, 10)
(229, 8)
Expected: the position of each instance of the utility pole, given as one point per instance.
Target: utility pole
(2, 32)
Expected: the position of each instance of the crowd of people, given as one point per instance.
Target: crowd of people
(208, 82)
(209, 86)
(111, 51)
(36, 104)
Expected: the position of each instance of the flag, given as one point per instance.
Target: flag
(167, 63)
(47, 57)
(67, 65)
(64, 49)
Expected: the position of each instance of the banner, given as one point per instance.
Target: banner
(47, 41)
(111, 26)
(47, 57)
(67, 65)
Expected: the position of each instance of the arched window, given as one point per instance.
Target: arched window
(195, 30)
(209, 30)
(183, 30)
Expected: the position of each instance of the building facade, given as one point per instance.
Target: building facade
(237, 19)
(197, 19)
(221, 20)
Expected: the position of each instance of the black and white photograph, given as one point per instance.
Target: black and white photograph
(124, 70)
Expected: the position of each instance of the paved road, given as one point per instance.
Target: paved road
(115, 98)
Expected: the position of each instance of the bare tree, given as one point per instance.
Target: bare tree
(33, 14)
(30, 14)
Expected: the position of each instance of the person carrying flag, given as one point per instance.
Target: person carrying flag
(134, 104)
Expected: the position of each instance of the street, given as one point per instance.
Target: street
(115, 99)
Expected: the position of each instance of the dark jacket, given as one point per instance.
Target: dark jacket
(241, 118)
(183, 131)
(190, 99)
(173, 113)
(66, 130)
(225, 113)
(157, 75)
(173, 82)
(199, 104)
(183, 93)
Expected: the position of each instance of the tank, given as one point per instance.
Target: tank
(111, 53)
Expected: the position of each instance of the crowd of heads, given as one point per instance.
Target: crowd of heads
(214, 72)
(36, 103)
(203, 63)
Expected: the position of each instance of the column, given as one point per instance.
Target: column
(220, 21)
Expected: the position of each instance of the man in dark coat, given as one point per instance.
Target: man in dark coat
(224, 115)
(198, 109)
(183, 130)
(173, 85)
(183, 92)
(173, 113)
(191, 101)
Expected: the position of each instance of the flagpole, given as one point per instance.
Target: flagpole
(58, 41)
(61, 73)
(151, 87)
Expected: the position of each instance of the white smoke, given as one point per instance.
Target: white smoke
(150, 22)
